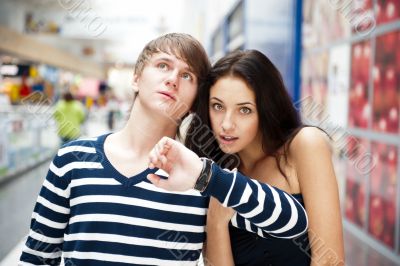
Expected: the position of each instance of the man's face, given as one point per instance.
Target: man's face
(166, 84)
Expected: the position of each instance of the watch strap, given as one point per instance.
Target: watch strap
(205, 175)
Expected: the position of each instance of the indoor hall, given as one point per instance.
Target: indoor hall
(339, 60)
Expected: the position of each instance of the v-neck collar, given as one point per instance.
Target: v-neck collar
(110, 170)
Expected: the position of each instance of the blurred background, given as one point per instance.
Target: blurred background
(340, 61)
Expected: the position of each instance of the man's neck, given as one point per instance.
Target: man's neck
(144, 129)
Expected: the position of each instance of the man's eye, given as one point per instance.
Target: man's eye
(162, 66)
(187, 76)
(245, 110)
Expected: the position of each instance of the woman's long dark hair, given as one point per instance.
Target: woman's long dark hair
(278, 119)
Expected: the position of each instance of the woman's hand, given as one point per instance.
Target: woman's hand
(217, 214)
(218, 248)
(182, 165)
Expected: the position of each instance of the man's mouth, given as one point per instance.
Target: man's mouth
(167, 94)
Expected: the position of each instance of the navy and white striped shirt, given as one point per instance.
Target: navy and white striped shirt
(91, 214)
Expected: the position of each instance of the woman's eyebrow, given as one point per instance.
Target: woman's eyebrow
(243, 103)
(215, 98)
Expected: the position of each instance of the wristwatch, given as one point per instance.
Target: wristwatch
(205, 175)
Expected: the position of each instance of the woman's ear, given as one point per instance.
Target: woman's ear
(135, 83)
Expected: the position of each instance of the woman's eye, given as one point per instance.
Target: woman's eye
(217, 106)
(186, 76)
(245, 110)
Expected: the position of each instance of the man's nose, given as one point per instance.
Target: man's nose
(172, 80)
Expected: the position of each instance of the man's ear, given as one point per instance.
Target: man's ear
(135, 83)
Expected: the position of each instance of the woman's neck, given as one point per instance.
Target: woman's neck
(250, 159)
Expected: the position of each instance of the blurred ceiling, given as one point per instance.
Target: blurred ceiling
(104, 31)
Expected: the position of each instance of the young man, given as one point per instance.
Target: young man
(97, 207)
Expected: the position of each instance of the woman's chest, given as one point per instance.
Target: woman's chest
(270, 174)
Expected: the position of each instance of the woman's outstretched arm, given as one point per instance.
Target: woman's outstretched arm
(266, 208)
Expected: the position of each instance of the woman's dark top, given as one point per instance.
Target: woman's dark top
(252, 250)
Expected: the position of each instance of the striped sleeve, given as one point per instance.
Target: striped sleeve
(269, 209)
(49, 219)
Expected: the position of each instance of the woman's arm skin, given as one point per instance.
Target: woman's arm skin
(311, 156)
(218, 248)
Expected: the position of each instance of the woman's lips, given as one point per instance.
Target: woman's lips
(227, 140)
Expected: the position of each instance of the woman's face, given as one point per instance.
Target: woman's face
(233, 115)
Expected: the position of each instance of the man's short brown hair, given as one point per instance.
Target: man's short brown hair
(181, 45)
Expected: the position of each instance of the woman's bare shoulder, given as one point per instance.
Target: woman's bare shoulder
(309, 140)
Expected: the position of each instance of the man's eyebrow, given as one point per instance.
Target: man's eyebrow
(163, 59)
(171, 61)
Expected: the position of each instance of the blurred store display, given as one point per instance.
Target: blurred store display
(355, 204)
(360, 109)
(362, 104)
(386, 76)
(388, 11)
(383, 184)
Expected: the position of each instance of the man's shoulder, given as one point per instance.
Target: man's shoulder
(82, 154)
(80, 149)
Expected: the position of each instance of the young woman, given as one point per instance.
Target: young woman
(251, 115)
